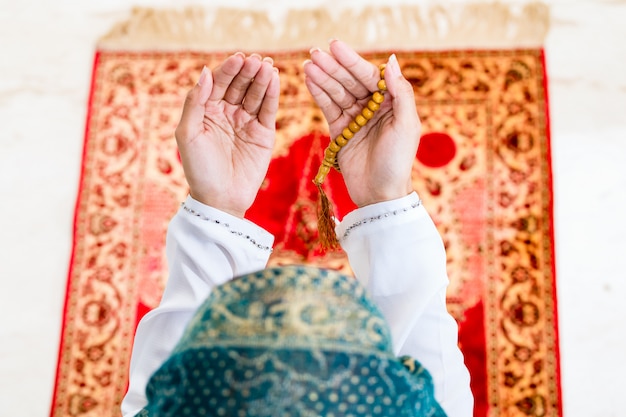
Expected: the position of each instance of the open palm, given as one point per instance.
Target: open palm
(227, 132)
(377, 162)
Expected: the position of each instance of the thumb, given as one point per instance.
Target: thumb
(193, 109)
(401, 91)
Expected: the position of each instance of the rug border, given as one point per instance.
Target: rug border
(551, 234)
(68, 284)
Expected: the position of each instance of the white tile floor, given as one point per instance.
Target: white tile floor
(46, 52)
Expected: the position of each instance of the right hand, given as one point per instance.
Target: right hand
(377, 162)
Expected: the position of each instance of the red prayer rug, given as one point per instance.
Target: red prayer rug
(482, 171)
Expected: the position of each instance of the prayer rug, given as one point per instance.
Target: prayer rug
(482, 171)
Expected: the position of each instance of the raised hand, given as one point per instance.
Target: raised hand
(227, 130)
(377, 162)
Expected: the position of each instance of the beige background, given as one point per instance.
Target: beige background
(46, 56)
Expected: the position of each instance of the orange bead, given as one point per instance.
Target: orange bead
(347, 133)
(334, 147)
(367, 113)
(360, 120)
(354, 127)
(326, 163)
(341, 141)
(372, 105)
(378, 97)
(382, 85)
(330, 154)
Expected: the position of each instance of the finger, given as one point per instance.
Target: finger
(193, 108)
(329, 108)
(401, 92)
(269, 106)
(258, 88)
(334, 80)
(363, 71)
(332, 67)
(224, 74)
(236, 91)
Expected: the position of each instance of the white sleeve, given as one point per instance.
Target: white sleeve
(396, 251)
(205, 248)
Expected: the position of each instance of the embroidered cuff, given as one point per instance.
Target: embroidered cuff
(376, 213)
(242, 228)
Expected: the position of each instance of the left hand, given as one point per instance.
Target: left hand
(227, 130)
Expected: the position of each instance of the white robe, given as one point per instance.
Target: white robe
(393, 247)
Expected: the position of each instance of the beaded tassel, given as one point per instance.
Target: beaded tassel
(325, 218)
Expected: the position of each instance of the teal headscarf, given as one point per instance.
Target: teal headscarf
(289, 341)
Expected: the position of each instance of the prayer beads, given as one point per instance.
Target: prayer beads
(330, 154)
(325, 211)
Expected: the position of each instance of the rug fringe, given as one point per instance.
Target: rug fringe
(452, 26)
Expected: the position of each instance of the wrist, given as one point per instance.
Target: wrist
(216, 203)
(387, 194)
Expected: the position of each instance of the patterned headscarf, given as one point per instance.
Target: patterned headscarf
(289, 341)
